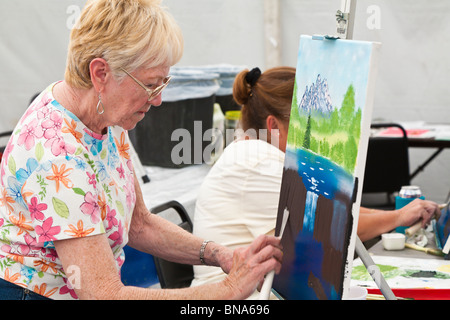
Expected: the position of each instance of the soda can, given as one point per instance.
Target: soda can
(409, 192)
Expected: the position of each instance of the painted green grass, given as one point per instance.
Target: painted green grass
(335, 137)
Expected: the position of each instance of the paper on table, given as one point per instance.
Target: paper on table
(443, 134)
(405, 272)
(411, 133)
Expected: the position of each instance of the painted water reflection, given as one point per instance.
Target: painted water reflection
(319, 225)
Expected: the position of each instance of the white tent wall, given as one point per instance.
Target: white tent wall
(412, 80)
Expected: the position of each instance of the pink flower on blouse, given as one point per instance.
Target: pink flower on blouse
(121, 171)
(130, 194)
(117, 236)
(6, 248)
(68, 289)
(92, 179)
(111, 217)
(52, 126)
(59, 146)
(1, 222)
(43, 112)
(36, 208)
(46, 232)
(5, 156)
(30, 245)
(52, 255)
(90, 207)
(28, 133)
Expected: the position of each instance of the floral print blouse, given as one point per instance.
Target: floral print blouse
(59, 180)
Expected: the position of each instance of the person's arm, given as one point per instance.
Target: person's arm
(155, 235)
(373, 223)
(94, 274)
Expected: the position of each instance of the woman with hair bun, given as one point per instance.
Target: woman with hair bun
(238, 199)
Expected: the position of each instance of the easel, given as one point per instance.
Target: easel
(345, 21)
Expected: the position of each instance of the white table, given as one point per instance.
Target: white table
(168, 184)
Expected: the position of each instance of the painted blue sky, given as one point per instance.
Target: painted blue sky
(341, 62)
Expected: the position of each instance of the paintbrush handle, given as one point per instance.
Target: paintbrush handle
(414, 228)
(435, 252)
(268, 280)
(442, 206)
(267, 286)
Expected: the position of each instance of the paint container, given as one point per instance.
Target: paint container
(410, 192)
(405, 196)
(393, 241)
(357, 293)
(231, 124)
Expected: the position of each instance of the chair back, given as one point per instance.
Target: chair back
(387, 164)
(171, 274)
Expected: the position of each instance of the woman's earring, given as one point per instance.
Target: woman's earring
(100, 103)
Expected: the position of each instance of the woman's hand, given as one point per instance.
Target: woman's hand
(252, 263)
(416, 210)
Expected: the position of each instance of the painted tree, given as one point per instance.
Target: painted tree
(347, 111)
(307, 138)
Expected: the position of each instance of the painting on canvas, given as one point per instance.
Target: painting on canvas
(325, 157)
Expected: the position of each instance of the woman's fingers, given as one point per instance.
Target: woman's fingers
(252, 263)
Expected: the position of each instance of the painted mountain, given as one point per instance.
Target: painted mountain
(327, 144)
(316, 98)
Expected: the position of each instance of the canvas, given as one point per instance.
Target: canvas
(325, 157)
(442, 230)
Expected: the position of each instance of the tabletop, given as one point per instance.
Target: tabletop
(406, 268)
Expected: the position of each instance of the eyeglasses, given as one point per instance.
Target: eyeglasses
(152, 93)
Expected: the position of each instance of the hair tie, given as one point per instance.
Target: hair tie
(253, 76)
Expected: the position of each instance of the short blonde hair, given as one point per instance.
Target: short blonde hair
(126, 33)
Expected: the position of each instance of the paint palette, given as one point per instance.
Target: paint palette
(405, 273)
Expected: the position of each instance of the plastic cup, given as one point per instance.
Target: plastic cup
(357, 293)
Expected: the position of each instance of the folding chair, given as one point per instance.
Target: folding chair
(171, 274)
(144, 270)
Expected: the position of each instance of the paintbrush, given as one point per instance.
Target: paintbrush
(435, 252)
(374, 296)
(444, 205)
(268, 280)
(414, 228)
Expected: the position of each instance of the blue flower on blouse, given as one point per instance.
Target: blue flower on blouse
(81, 164)
(27, 272)
(14, 189)
(44, 166)
(102, 174)
(96, 145)
(23, 174)
(113, 154)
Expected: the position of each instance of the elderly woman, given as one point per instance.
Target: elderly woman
(70, 200)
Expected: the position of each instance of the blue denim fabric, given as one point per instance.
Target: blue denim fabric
(10, 291)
